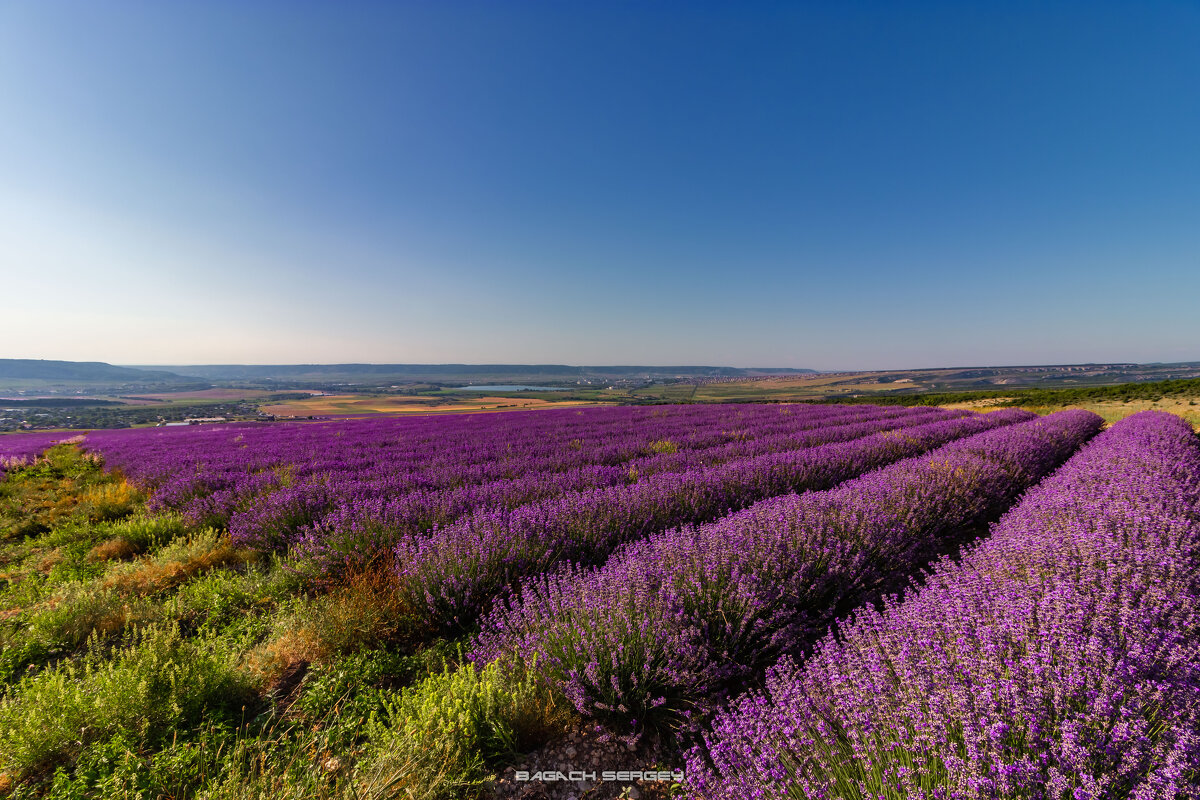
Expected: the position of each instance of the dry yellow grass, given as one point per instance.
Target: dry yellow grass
(154, 575)
(283, 654)
(116, 549)
(1111, 410)
(114, 621)
(50, 560)
(364, 610)
(984, 404)
(110, 500)
(1115, 410)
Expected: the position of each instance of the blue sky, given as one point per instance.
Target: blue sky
(827, 185)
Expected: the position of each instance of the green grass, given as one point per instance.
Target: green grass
(143, 656)
(448, 733)
(143, 692)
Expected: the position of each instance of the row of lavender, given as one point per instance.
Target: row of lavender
(434, 452)
(427, 452)
(348, 484)
(457, 571)
(1060, 658)
(370, 509)
(375, 513)
(673, 622)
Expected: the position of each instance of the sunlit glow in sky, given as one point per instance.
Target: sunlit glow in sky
(834, 186)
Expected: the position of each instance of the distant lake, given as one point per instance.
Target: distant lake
(508, 388)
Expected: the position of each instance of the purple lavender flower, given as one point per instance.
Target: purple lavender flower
(1057, 659)
(689, 613)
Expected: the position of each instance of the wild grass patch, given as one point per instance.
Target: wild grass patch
(145, 691)
(174, 564)
(364, 613)
(448, 732)
(63, 486)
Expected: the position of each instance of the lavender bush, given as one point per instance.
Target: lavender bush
(455, 572)
(1057, 659)
(678, 619)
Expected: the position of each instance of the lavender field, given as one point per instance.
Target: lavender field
(1057, 658)
(744, 600)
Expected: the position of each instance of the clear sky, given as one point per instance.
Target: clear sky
(834, 185)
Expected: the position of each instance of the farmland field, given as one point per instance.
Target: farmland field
(201, 394)
(729, 597)
(346, 405)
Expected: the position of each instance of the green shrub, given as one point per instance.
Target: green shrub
(59, 627)
(223, 597)
(146, 532)
(148, 690)
(73, 564)
(346, 693)
(282, 763)
(448, 729)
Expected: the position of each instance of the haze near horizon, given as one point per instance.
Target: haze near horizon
(859, 186)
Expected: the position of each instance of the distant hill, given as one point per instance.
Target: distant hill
(39, 369)
(460, 372)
